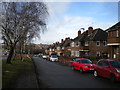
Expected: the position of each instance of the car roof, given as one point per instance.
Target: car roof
(82, 58)
(107, 60)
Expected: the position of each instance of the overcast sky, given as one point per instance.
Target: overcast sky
(66, 18)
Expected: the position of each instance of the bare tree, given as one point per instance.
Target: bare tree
(22, 21)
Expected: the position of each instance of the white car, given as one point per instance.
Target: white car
(53, 58)
(44, 56)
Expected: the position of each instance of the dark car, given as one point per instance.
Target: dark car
(108, 68)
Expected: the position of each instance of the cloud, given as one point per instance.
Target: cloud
(61, 25)
(68, 26)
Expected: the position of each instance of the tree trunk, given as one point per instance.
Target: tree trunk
(10, 55)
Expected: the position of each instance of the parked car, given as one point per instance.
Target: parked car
(108, 68)
(53, 58)
(83, 65)
(44, 56)
(48, 57)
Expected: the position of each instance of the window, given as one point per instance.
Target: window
(98, 54)
(77, 44)
(86, 43)
(98, 43)
(104, 43)
(72, 53)
(100, 63)
(86, 53)
(72, 44)
(117, 32)
(62, 48)
(77, 53)
(58, 48)
(105, 63)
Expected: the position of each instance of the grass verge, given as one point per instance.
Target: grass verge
(10, 72)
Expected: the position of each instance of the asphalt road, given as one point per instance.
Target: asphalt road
(55, 75)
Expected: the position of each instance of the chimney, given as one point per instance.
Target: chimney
(62, 40)
(79, 33)
(90, 30)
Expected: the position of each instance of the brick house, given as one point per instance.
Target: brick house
(65, 47)
(90, 43)
(96, 40)
(114, 41)
(74, 46)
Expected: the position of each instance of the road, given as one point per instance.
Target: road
(55, 75)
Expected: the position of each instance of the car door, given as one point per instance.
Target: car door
(106, 69)
(99, 68)
(76, 64)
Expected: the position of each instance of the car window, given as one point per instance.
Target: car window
(115, 64)
(100, 63)
(105, 63)
(77, 60)
(54, 56)
(86, 61)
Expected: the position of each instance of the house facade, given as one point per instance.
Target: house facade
(97, 42)
(114, 41)
(74, 46)
(90, 43)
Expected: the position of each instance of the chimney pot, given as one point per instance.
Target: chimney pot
(79, 33)
(90, 30)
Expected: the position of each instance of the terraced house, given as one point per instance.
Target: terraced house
(114, 41)
(90, 43)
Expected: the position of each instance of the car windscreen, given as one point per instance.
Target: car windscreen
(115, 64)
(86, 61)
(54, 56)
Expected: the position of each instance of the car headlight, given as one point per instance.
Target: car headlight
(86, 67)
(118, 70)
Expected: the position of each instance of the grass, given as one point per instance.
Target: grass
(10, 72)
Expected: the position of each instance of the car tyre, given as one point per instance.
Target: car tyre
(73, 68)
(112, 78)
(96, 73)
(81, 70)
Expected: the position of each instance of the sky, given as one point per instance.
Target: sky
(66, 18)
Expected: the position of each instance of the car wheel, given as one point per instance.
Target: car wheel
(73, 68)
(112, 78)
(95, 73)
(81, 70)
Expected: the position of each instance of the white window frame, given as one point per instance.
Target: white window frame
(58, 48)
(98, 54)
(63, 48)
(97, 43)
(72, 53)
(87, 43)
(77, 53)
(117, 33)
(72, 44)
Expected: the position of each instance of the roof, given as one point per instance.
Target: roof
(97, 35)
(114, 27)
(67, 43)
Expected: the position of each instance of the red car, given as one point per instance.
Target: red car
(83, 64)
(108, 68)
